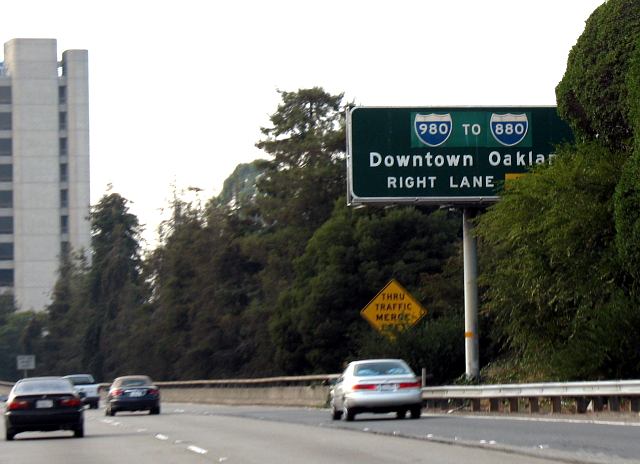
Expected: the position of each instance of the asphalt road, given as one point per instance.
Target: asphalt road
(192, 433)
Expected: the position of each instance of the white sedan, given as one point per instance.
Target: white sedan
(377, 386)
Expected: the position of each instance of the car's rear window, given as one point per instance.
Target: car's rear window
(380, 368)
(43, 386)
(135, 382)
(81, 379)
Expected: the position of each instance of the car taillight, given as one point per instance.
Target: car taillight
(117, 392)
(71, 402)
(18, 404)
(153, 391)
(409, 385)
(365, 386)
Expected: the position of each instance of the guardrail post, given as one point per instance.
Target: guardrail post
(614, 404)
(494, 405)
(534, 406)
(581, 405)
(635, 404)
(475, 405)
(556, 405)
(598, 404)
(513, 404)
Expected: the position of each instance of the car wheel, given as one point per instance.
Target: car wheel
(416, 412)
(155, 410)
(400, 414)
(10, 434)
(78, 432)
(348, 414)
(93, 405)
(335, 414)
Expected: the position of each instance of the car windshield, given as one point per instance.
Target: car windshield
(81, 379)
(135, 382)
(380, 368)
(43, 386)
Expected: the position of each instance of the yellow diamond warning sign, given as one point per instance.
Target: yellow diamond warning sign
(393, 309)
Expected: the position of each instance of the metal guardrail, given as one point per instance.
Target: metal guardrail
(606, 388)
(577, 396)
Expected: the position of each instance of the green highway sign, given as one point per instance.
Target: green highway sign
(449, 156)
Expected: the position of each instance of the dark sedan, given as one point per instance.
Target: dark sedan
(42, 404)
(132, 393)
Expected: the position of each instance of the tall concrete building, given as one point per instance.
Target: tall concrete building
(44, 166)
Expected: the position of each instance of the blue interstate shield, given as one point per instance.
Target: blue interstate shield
(509, 129)
(433, 129)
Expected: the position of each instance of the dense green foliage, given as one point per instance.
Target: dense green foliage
(554, 284)
(593, 95)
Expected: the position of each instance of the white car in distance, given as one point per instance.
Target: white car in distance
(87, 388)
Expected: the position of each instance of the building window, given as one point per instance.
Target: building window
(5, 94)
(64, 198)
(6, 277)
(6, 147)
(6, 224)
(64, 151)
(64, 224)
(6, 198)
(6, 251)
(65, 248)
(6, 172)
(64, 172)
(63, 120)
(63, 147)
(5, 121)
(62, 94)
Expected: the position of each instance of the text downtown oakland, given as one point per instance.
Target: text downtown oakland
(435, 130)
(496, 159)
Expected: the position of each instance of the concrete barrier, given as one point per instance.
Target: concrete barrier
(5, 388)
(308, 396)
(306, 391)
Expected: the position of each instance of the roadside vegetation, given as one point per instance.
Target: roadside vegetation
(269, 277)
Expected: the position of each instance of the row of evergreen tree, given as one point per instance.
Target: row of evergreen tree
(269, 277)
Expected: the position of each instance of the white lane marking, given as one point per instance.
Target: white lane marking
(160, 436)
(178, 410)
(197, 449)
(111, 422)
(141, 430)
(558, 420)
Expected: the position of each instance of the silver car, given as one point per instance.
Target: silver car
(378, 386)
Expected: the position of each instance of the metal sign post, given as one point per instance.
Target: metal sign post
(471, 342)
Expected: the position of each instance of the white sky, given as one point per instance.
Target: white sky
(180, 89)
